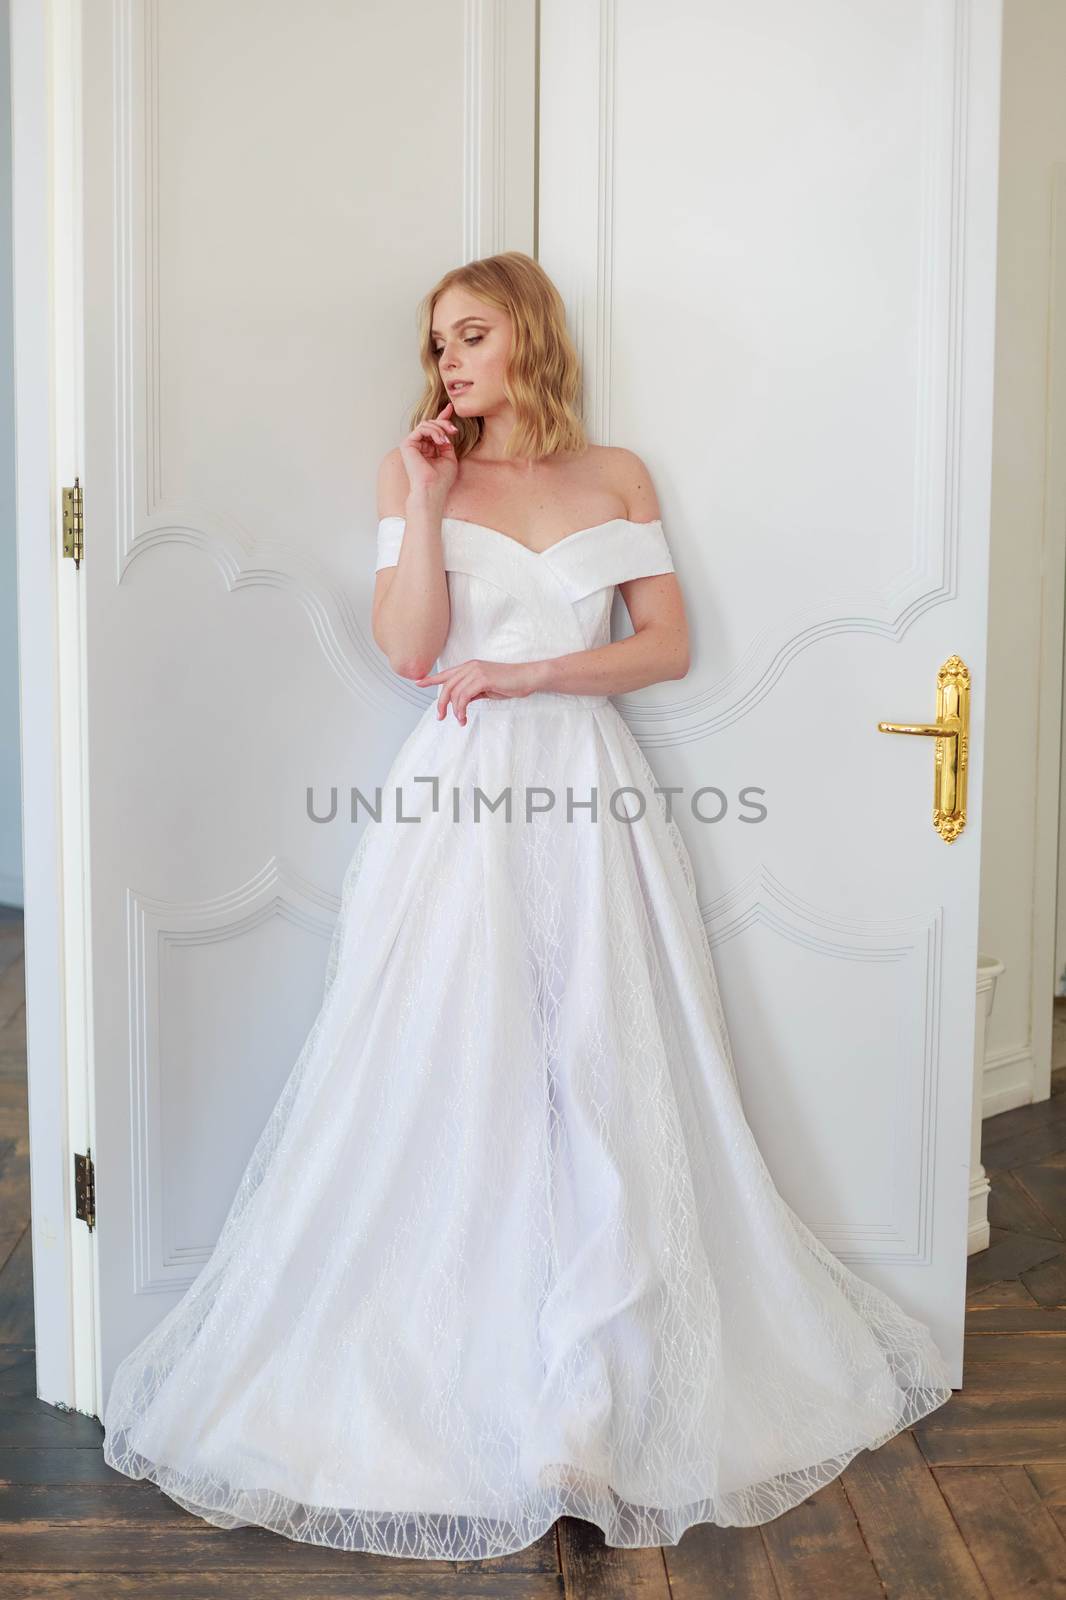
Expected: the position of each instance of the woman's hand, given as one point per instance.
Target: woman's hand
(429, 455)
(482, 680)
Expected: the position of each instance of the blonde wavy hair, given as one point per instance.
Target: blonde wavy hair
(543, 377)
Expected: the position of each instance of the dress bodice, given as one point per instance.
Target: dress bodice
(510, 603)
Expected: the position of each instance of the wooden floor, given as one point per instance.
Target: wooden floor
(971, 1502)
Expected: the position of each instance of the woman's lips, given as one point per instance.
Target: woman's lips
(460, 388)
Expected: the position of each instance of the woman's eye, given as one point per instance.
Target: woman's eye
(475, 339)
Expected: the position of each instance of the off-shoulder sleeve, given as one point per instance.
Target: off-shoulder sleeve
(619, 552)
(390, 538)
(645, 553)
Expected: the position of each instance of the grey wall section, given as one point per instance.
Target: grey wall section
(10, 766)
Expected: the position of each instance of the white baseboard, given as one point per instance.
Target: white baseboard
(1007, 1081)
(978, 1235)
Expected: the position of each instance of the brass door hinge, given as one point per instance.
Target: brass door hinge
(85, 1189)
(73, 524)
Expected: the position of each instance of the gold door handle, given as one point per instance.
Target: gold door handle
(951, 730)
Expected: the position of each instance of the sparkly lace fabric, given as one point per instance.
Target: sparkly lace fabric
(506, 1249)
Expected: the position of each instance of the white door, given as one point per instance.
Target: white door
(268, 191)
(775, 226)
(775, 230)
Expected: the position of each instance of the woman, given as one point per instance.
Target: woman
(506, 1248)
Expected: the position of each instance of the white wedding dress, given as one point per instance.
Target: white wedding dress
(506, 1248)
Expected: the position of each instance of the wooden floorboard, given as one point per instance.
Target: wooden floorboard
(971, 1502)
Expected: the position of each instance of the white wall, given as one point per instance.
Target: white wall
(10, 782)
(1016, 882)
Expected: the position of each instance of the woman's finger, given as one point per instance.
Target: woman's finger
(431, 430)
(441, 427)
(426, 430)
(454, 696)
(442, 701)
(460, 687)
(470, 687)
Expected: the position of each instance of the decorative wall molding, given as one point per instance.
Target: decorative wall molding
(930, 579)
(148, 518)
(153, 925)
(762, 898)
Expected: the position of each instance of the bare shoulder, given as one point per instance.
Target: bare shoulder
(632, 480)
(392, 484)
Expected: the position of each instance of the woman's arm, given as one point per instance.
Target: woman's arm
(659, 647)
(411, 612)
(650, 655)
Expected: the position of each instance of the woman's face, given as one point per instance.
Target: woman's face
(472, 342)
